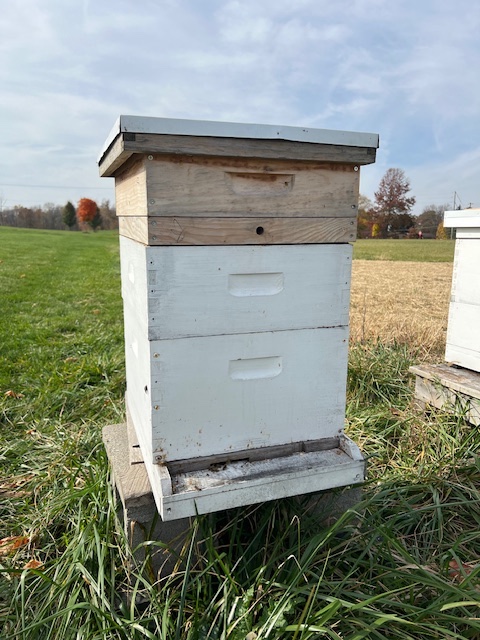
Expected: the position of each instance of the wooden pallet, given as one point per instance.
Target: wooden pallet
(450, 388)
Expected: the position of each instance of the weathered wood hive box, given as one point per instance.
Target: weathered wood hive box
(463, 332)
(236, 267)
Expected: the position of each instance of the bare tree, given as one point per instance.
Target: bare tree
(432, 215)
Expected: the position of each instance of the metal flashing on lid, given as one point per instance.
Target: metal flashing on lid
(174, 126)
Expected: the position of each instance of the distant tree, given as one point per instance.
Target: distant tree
(69, 215)
(108, 214)
(47, 216)
(86, 211)
(96, 220)
(392, 204)
(365, 217)
(441, 233)
(430, 218)
(51, 215)
(26, 217)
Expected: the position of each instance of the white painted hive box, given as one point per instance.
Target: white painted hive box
(463, 332)
(236, 281)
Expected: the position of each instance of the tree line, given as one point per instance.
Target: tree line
(87, 214)
(389, 216)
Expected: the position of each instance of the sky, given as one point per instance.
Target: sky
(405, 69)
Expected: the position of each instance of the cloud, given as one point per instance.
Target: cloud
(405, 70)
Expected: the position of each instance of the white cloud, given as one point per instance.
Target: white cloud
(406, 70)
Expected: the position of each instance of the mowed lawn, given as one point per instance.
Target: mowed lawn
(404, 563)
(405, 250)
(61, 323)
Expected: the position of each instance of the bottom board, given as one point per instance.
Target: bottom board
(239, 484)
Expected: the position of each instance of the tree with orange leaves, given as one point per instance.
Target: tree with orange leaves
(87, 212)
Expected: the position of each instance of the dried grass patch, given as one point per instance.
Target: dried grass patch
(403, 302)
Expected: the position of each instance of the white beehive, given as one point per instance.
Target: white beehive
(236, 281)
(463, 333)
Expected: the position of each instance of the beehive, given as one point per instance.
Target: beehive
(463, 332)
(236, 269)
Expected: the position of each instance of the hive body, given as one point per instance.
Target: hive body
(235, 280)
(463, 333)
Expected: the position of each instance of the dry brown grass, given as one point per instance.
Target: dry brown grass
(403, 302)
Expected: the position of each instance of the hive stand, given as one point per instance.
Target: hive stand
(138, 511)
(455, 385)
(450, 388)
(142, 523)
(236, 267)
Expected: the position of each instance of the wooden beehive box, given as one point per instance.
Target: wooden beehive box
(236, 280)
(463, 333)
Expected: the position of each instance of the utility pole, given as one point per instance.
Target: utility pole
(454, 208)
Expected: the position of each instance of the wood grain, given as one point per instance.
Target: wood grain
(134, 228)
(237, 231)
(143, 144)
(457, 379)
(146, 135)
(130, 188)
(210, 187)
(238, 147)
(130, 479)
(114, 159)
(448, 388)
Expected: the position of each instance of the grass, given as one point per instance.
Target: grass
(403, 564)
(405, 250)
(401, 302)
(61, 325)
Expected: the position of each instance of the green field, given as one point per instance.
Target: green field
(402, 564)
(408, 250)
(62, 336)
